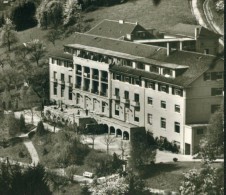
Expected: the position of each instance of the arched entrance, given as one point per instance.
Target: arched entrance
(112, 130)
(125, 135)
(118, 132)
(105, 128)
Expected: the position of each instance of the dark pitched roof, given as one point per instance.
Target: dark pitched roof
(197, 63)
(61, 55)
(113, 29)
(189, 30)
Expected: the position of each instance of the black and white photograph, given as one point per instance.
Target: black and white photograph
(112, 97)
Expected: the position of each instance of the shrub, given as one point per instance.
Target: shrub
(40, 129)
(175, 159)
(22, 123)
(44, 151)
(21, 154)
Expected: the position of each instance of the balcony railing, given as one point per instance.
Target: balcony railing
(105, 79)
(135, 104)
(79, 72)
(78, 86)
(125, 101)
(96, 77)
(54, 79)
(116, 97)
(69, 84)
(86, 88)
(61, 81)
(103, 93)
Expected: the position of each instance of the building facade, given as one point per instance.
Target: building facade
(129, 86)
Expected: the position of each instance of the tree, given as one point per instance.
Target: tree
(36, 50)
(40, 129)
(141, 152)
(23, 15)
(122, 147)
(212, 144)
(208, 181)
(136, 186)
(13, 125)
(53, 35)
(108, 140)
(14, 180)
(8, 34)
(22, 123)
(92, 131)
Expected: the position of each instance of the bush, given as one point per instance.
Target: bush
(44, 151)
(175, 159)
(21, 154)
(31, 134)
(40, 129)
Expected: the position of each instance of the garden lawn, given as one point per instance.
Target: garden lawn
(13, 153)
(168, 176)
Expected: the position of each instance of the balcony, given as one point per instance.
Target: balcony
(79, 72)
(53, 79)
(78, 86)
(125, 101)
(135, 104)
(69, 84)
(61, 81)
(105, 79)
(103, 93)
(86, 88)
(116, 97)
(96, 77)
(86, 75)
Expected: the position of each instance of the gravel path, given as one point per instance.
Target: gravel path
(31, 149)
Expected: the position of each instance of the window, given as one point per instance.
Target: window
(167, 71)
(176, 91)
(206, 51)
(117, 77)
(150, 100)
(140, 66)
(62, 77)
(177, 108)
(126, 95)
(163, 104)
(62, 90)
(117, 109)
(163, 123)
(136, 118)
(77, 98)
(207, 76)
(150, 85)
(150, 119)
(136, 81)
(69, 79)
(53, 61)
(216, 91)
(127, 79)
(54, 74)
(154, 69)
(214, 108)
(164, 88)
(116, 91)
(54, 88)
(199, 131)
(216, 76)
(177, 127)
(136, 97)
(70, 93)
(103, 106)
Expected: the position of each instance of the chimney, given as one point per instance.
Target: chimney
(121, 21)
(168, 49)
(196, 32)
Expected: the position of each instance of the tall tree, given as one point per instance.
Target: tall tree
(8, 34)
(108, 140)
(36, 50)
(23, 15)
(141, 152)
(212, 144)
